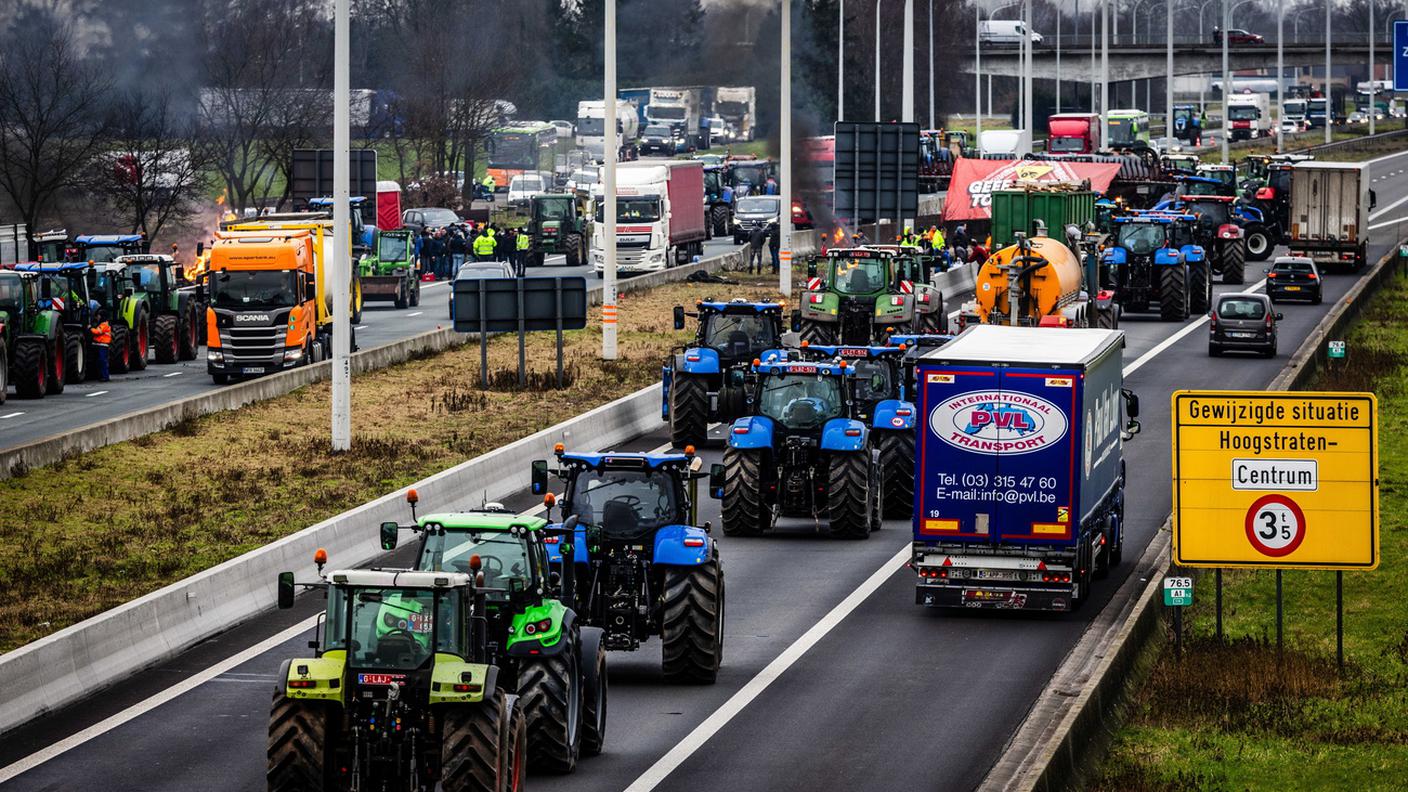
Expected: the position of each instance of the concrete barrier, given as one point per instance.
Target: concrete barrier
(80, 660)
(1068, 722)
(51, 449)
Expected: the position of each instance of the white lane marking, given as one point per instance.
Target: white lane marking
(1178, 336)
(720, 717)
(94, 393)
(12, 415)
(172, 374)
(416, 313)
(146, 705)
(1387, 157)
(1378, 212)
(434, 285)
(1388, 223)
(360, 327)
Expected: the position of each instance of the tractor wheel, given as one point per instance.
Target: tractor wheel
(119, 353)
(403, 298)
(31, 368)
(4, 373)
(574, 250)
(473, 754)
(190, 332)
(58, 363)
(1259, 243)
(693, 623)
(1233, 260)
(415, 293)
(848, 496)
(1199, 288)
(820, 333)
(593, 662)
(551, 689)
(75, 358)
(1173, 293)
(689, 411)
(1108, 317)
(140, 341)
(165, 332)
(719, 218)
(897, 464)
(744, 512)
(300, 757)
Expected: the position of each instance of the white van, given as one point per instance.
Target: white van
(1005, 32)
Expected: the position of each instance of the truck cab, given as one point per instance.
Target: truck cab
(1073, 133)
(1127, 129)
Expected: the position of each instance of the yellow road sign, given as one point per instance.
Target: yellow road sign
(1275, 479)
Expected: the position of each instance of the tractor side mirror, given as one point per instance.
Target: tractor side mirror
(44, 289)
(389, 535)
(796, 321)
(200, 248)
(285, 590)
(679, 317)
(92, 278)
(540, 476)
(811, 268)
(716, 480)
(180, 274)
(570, 524)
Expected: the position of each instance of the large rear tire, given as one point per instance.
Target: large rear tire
(574, 250)
(165, 330)
(689, 411)
(1173, 293)
(1233, 261)
(593, 653)
(551, 688)
(139, 340)
(473, 755)
(897, 465)
(31, 368)
(190, 332)
(693, 623)
(4, 372)
(1199, 288)
(1259, 243)
(58, 363)
(744, 511)
(119, 351)
(75, 358)
(821, 333)
(719, 219)
(848, 496)
(300, 757)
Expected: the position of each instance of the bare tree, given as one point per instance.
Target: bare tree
(51, 115)
(152, 175)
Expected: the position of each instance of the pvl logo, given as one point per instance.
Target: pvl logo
(998, 422)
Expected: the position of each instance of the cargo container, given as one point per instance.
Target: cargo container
(1329, 213)
(1014, 211)
(1019, 486)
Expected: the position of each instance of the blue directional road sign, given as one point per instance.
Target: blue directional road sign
(1400, 55)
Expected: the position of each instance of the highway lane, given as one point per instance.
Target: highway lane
(24, 421)
(940, 691)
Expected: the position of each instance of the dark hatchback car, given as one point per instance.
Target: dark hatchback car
(1243, 321)
(1237, 36)
(1294, 278)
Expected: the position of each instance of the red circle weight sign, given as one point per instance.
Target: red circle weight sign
(1275, 525)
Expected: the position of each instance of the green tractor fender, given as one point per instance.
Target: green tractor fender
(826, 310)
(128, 312)
(46, 324)
(538, 630)
(894, 308)
(455, 681)
(315, 679)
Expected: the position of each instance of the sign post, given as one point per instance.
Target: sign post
(1178, 594)
(1335, 350)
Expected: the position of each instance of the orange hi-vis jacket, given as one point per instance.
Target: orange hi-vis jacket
(102, 334)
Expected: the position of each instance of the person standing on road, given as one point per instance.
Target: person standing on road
(774, 244)
(484, 246)
(458, 249)
(522, 243)
(756, 238)
(102, 337)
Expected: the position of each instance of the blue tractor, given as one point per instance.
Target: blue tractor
(1153, 258)
(708, 380)
(102, 248)
(883, 400)
(642, 565)
(803, 452)
(1230, 226)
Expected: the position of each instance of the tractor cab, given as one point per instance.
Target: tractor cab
(707, 381)
(1184, 164)
(67, 286)
(737, 330)
(1201, 184)
(154, 274)
(101, 248)
(877, 372)
(53, 246)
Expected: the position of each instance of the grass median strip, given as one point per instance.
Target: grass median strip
(105, 527)
(1234, 714)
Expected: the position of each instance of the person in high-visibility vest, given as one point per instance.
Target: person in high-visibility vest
(488, 184)
(102, 338)
(525, 241)
(484, 246)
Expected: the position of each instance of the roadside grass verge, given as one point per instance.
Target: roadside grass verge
(1235, 714)
(105, 527)
(1300, 142)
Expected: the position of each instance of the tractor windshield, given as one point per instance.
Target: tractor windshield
(860, 276)
(503, 557)
(145, 277)
(11, 292)
(392, 628)
(101, 254)
(1200, 188)
(1141, 239)
(801, 401)
(393, 247)
(739, 336)
(625, 504)
(553, 210)
(874, 381)
(1211, 213)
(254, 289)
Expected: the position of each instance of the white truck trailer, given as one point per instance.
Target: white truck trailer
(1330, 205)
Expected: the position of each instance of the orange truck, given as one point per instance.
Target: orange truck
(269, 305)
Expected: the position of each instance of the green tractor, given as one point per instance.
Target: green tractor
(129, 315)
(403, 692)
(389, 270)
(32, 339)
(865, 294)
(557, 224)
(543, 652)
(65, 288)
(176, 313)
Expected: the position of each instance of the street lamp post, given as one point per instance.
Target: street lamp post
(977, 70)
(784, 270)
(841, 61)
(1168, 77)
(1203, 88)
(341, 234)
(930, 56)
(1329, 92)
(1280, 77)
(1104, 68)
(1058, 59)
(877, 61)
(608, 191)
(1226, 85)
(1028, 116)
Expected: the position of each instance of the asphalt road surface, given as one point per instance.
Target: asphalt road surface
(24, 421)
(833, 678)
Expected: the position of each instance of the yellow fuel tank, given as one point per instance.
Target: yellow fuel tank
(1047, 288)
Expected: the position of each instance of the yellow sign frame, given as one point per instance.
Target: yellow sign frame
(1257, 475)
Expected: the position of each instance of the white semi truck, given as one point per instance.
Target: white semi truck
(738, 106)
(659, 216)
(1248, 115)
(680, 107)
(1329, 216)
(591, 126)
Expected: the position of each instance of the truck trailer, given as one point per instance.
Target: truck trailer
(1329, 212)
(1019, 482)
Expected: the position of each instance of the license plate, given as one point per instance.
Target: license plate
(1292, 288)
(252, 370)
(995, 574)
(1241, 335)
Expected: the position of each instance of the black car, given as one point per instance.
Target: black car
(1243, 321)
(661, 139)
(418, 220)
(1294, 278)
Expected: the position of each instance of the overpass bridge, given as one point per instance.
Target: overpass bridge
(1144, 61)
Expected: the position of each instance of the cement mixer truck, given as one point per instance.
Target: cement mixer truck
(1038, 282)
